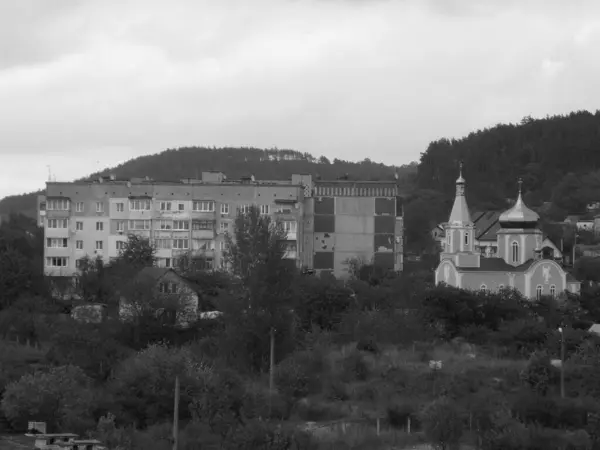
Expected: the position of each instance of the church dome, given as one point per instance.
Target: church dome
(519, 216)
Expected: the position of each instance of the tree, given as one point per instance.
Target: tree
(138, 252)
(442, 424)
(255, 255)
(61, 397)
(144, 383)
(15, 276)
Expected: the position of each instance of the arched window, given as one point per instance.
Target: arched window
(539, 290)
(467, 238)
(449, 240)
(483, 288)
(553, 290)
(515, 252)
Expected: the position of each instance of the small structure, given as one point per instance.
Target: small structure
(83, 444)
(166, 292)
(52, 441)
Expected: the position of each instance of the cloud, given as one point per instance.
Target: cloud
(82, 82)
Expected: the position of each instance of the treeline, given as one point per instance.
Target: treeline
(264, 164)
(544, 152)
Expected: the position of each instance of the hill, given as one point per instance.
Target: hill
(271, 164)
(544, 152)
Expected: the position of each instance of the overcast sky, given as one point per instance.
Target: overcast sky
(85, 85)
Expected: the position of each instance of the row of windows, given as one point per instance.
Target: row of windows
(184, 244)
(539, 290)
(355, 191)
(175, 225)
(163, 206)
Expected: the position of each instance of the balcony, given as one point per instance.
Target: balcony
(203, 234)
(57, 232)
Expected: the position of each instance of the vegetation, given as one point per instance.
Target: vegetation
(355, 356)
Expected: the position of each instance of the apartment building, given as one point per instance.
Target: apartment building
(327, 222)
(347, 220)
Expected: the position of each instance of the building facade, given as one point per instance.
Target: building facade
(519, 261)
(327, 223)
(353, 220)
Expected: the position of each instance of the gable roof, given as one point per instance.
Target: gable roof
(155, 274)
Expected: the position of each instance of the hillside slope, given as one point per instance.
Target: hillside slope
(189, 162)
(541, 151)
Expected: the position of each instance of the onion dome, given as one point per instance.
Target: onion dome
(519, 216)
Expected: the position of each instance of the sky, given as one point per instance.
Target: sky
(86, 85)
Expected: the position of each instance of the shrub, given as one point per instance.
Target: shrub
(442, 424)
(299, 375)
(355, 367)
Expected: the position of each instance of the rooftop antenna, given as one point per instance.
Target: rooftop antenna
(49, 173)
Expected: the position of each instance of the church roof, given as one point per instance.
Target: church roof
(496, 265)
(460, 211)
(519, 213)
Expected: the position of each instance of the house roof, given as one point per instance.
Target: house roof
(155, 274)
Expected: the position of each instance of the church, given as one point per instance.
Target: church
(518, 263)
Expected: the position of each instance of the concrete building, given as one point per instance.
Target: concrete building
(182, 219)
(347, 220)
(327, 222)
(519, 262)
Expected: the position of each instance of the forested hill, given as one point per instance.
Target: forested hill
(557, 157)
(271, 164)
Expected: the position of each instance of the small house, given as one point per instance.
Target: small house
(165, 292)
(52, 441)
(83, 444)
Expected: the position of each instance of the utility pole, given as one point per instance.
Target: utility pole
(562, 362)
(271, 369)
(176, 416)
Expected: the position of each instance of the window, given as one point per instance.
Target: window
(265, 209)
(120, 206)
(203, 205)
(139, 205)
(181, 244)
(224, 226)
(139, 224)
(120, 225)
(78, 226)
(222, 245)
(289, 226)
(165, 206)
(56, 243)
(58, 223)
(99, 207)
(57, 205)
(120, 245)
(79, 207)
(162, 243)
(224, 208)
(165, 224)
(553, 290)
(203, 225)
(167, 262)
(79, 263)
(539, 291)
(515, 252)
(206, 245)
(483, 288)
(99, 226)
(98, 245)
(466, 238)
(56, 262)
(168, 288)
(79, 245)
(244, 209)
(181, 225)
(449, 237)
(181, 206)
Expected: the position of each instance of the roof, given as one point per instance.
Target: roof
(157, 273)
(486, 225)
(595, 328)
(520, 212)
(496, 265)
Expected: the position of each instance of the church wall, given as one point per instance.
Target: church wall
(492, 280)
(468, 260)
(546, 274)
(446, 273)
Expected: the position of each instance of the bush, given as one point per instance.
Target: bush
(298, 375)
(442, 424)
(355, 367)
